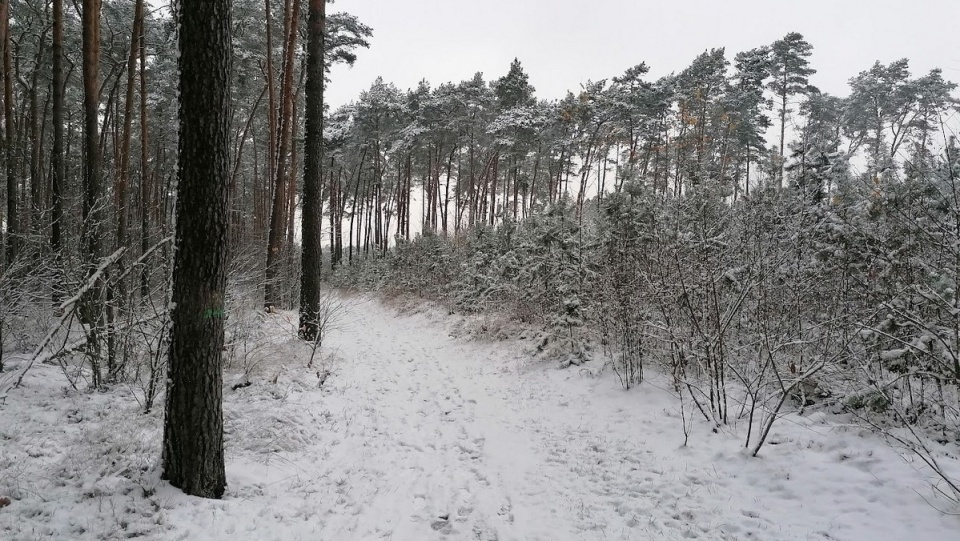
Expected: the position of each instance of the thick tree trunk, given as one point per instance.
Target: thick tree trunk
(311, 218)
(193, 427)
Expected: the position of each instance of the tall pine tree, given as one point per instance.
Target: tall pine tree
(193, 427)
(311, 218)
(790, 75)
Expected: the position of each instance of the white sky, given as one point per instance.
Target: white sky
(562, 43)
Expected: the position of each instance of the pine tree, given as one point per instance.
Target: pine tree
(311, 218)
(57, 153)
(193, 428)
(790, 72)
(12, 218)
(94, 215)
(753, 68)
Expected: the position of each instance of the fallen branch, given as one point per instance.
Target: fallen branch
(67, 309)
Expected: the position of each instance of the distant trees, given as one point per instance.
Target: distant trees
(652, 220)
(343, 33)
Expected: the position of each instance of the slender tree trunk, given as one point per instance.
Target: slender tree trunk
(531, 191)
(270, 162)
(446, 193)
(292, 171)
(123, 168)
(36, 174)
(278, 221)
(13, 217)
(493, 189)
(145, 200)
(516, 188)
(193, 427)
(339, 209)
(57, 154)
(335, 216)
(783, 129)
(93, 204)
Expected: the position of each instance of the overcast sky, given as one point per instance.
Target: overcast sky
(562, 43)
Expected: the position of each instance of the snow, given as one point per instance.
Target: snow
(420, 435)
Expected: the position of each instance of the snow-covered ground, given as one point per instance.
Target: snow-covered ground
(418, 435)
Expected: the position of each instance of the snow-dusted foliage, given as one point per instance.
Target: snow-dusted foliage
(781, 300)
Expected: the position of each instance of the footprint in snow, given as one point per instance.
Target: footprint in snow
(442, 525)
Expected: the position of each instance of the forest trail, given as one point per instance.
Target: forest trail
(473, 433)
(419, 435)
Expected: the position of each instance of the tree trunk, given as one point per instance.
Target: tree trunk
(123, 167)
(271, 146)
(493, 189)
(56, 188)
(783, 127)
(193, 427)
(13, 221)
(145, 200)
(93, 208)
(278, 220)
(311, 217)
(36, 168)
(334, 192)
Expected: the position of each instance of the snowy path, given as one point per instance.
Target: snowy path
(423, 436)
(420, 436)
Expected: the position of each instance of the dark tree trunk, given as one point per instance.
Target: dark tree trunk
(311, 218)
(56, 188)
(334, 206)
(193, 428)
(13, 219)
(36, 176)
(145, 199)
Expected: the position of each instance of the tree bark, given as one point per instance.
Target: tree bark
(92, 305)
(271, 145)
(278, 221)
(145, 199)
(123, 168)
(193, 428)
(36, 175)
(311, 218)
(13, 218)
(56, 188)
